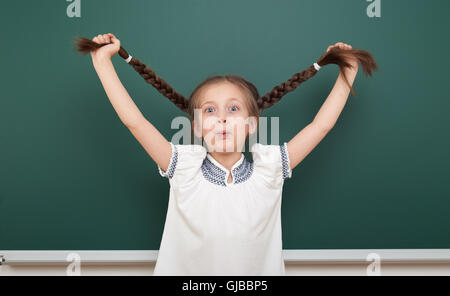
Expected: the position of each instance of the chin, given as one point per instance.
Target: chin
(224, 146)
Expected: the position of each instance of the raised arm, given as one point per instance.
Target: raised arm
(310, 136)
(156, 145)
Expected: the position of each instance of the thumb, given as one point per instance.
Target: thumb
(113, 38)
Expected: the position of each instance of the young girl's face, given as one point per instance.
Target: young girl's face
(224, 118)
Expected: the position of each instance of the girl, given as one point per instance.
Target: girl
(223, 215)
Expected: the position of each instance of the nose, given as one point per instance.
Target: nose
(221, 122)
(222, 118)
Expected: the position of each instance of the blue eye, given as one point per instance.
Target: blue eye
(206, 110)
(235, 107)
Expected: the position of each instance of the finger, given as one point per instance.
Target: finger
(107, 38)
(95, 39)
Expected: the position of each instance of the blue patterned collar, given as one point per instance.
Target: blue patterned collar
(216, 173)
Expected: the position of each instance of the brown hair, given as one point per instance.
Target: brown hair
(250, 92)
(255, 103)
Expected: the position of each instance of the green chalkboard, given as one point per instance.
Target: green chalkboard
(72, 176)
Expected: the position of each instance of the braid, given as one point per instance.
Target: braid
(86, 45)
(333, 56)
(274, 96)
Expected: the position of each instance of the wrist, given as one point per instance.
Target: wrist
(100, 60)
(353, 70)
(354, 65)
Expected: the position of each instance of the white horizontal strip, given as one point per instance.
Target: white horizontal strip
(365, 255)
(87, 257)
(290, 256)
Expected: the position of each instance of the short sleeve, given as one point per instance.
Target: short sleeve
(185, 162)
(271, 162)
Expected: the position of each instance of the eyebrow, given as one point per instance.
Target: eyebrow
(211, 102)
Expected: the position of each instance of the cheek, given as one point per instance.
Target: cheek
(239, 125)
(241, 130)
(207, 125)
(206, 132)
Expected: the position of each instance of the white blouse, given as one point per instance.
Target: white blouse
(218, 228)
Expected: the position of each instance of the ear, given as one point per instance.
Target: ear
(252, 124)
(197, 129)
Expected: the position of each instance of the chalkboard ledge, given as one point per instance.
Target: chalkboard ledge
(131, 257)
